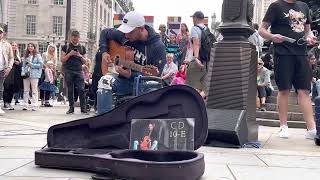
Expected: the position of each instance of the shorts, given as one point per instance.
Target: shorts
(292, 70)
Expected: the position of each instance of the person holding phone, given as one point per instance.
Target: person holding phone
(73, 56)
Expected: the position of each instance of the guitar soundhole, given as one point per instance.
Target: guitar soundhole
(117, 60)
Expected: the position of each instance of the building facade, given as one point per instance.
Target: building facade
(260, 9)
(44, 21)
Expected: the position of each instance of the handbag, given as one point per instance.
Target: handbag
(25, 72)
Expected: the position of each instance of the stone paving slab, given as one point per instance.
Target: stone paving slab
(31, 170)
(217, 172)
(8, 165)
(291, 161)
(17, 152)
(242, 172)
(233, 158)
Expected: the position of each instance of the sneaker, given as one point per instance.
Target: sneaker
(47, 105)
(263, 107)
(1, 111)
(310, 134)
(84, 111)
(70, 111)
(284, 131)
(6, 106)
(24, 108)
(10, 107)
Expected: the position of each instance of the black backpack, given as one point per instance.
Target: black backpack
(207, 41)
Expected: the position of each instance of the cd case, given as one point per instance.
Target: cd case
(162, 134)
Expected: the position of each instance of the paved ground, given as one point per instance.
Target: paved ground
(21, 133)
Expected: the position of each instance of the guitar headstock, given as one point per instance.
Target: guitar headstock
(150, 70)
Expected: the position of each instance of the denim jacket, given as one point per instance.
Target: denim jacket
(36, 66)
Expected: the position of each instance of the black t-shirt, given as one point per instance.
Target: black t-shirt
(288, 19)
(74, 63)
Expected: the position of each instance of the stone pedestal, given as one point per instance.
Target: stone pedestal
(232, 79)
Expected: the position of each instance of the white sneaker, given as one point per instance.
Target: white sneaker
(310, 134)
(1, 111)
(284, 131)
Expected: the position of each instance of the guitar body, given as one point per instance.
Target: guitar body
(117, 52)
(146, 143)
(124, 55)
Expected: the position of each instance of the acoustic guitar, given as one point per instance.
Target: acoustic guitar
(123, 55)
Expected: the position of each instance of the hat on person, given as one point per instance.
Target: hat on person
(1, 29)
(130, 21)
(198, 14)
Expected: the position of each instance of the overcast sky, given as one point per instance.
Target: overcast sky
(160, 9)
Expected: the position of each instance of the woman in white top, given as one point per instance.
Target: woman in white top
(170, 69)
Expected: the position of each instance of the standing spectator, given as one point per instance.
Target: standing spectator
(50, 55)
(291, 18)
(174, 49)
(47, 86)
(316, 51)
(6, 62)
(13, 82)
(31, 72)
(73, 56)
(183, 39)
(163, 34)
(264, 85)
(169, 70)
(196, 70)
(256, 39)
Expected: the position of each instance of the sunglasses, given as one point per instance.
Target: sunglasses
(260, 63)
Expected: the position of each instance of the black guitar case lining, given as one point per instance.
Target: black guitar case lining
(96, 143)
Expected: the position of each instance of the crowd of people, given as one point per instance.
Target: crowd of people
(177, 58)
(33, 77)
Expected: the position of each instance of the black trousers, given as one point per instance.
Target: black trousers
(8, 92)
(45, 95)
(72, 79)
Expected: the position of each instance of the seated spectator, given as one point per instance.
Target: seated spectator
(180, 78)
(263, 84)
(315, 82)
(170, 69)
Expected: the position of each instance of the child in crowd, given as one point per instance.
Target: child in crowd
(48, 84)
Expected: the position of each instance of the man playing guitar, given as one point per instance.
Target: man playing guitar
(145, 44)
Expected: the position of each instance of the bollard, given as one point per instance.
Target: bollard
(317, 114)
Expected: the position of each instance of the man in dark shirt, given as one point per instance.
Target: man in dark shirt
(147, 47)
(290, 18)
(73, 56)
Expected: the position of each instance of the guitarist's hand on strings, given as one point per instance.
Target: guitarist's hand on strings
(124, 72)
(106, 58)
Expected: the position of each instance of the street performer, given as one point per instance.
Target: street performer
(290, 23)
(147, 47)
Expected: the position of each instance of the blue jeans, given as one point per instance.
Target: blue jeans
(104, 101)
(120, 86)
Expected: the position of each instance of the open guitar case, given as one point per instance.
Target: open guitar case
(100, 144)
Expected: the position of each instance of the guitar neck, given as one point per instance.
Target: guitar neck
(131, 65)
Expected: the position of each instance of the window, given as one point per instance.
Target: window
(100, 12)
(104, 16)
(43, 48)
(22, 49)
(57, 25)
(31, 24)
(32, 1)
(58, 2)
(108, 25)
